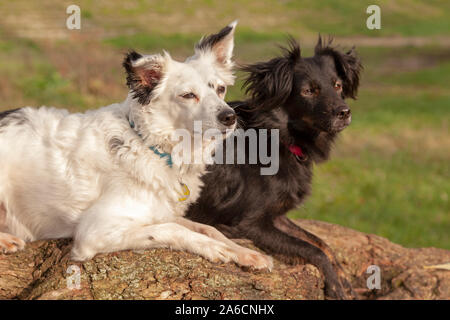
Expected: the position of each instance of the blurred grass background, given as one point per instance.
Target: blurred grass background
(389, 173)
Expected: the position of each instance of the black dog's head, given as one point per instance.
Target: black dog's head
(311, 90)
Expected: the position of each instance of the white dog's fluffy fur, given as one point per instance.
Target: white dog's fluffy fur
(92, 176)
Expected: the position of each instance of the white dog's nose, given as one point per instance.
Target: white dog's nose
(227, 117)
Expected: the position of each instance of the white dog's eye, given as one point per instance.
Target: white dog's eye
(189, 95)
(220, 89)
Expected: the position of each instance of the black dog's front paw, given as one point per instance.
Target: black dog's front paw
(339, 290)
(348, 289)
(334, 291)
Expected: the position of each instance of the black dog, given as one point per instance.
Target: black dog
(304, 99)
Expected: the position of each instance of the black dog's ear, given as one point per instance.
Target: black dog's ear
(144, 74)
(348, 66)
(270, 83)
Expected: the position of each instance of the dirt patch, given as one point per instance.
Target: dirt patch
(435, 143)
(92, 68)
(395, 41)
(416, 62)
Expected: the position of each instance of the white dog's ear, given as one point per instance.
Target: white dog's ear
(220, 44)
(145, 75)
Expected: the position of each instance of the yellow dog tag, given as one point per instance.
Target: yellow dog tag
(186, 192)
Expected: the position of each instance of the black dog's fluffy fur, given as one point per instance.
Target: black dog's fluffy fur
(304, 99)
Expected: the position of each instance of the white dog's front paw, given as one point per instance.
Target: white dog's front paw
(218, 251)
(251, 258)
(10, 243)
(81, 253)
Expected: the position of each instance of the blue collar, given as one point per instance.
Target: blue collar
(155, 149)
(162, 155)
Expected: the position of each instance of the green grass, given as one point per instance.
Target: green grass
(397, 196)
(146, 41)
(151, 42)
(389, 173)
(397, 18)
(376, 108)
(436, 77)
(342, 18)
(48, 87)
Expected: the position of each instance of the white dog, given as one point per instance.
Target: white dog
(105, 177)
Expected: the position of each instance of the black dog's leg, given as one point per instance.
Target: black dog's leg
(292, 241)
(286, 225)
(267, 237)
(232, 232)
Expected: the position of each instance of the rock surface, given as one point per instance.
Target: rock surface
(42, 271)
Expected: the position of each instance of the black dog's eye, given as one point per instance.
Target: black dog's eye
(220, 89)
(308, 92)
(338, 86)
(189, 95)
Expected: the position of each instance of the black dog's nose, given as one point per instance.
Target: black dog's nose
(344, 113)
(227, 117)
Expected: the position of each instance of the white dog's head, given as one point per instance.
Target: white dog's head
(167, 95)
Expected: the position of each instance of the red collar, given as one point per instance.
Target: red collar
(298, 152)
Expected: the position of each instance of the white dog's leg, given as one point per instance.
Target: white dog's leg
(171, 235)
(10, 243)
(110, 225)
(146, 236)
(245, 255)
(205, 229)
